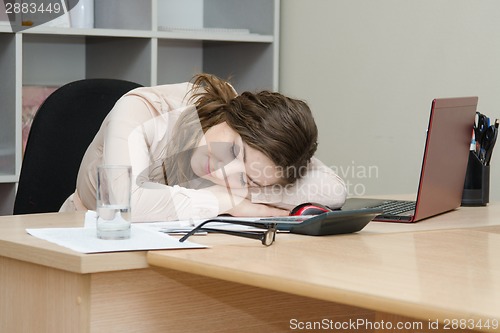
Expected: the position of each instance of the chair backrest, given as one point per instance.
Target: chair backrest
(62, 129)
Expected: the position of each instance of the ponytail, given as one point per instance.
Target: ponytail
(211, 96)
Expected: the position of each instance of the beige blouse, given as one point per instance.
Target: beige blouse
(136, 132)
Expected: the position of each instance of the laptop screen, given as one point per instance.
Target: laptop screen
(446, 155)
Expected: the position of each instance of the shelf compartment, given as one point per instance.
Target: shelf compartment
(51, 60)
(257, 16)
(7, 195)
(119, 58)
(123, 14)
(179, 60)
(250, 65)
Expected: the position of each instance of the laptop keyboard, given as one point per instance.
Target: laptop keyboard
(396, 207)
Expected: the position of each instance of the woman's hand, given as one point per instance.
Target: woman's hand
(236, 203)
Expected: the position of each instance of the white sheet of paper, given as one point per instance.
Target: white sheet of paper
(84, 240)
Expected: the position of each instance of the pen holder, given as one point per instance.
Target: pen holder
(477, 183)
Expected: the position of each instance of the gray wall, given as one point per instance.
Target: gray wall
(370, 68)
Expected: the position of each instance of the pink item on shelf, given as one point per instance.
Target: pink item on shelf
(33, 97)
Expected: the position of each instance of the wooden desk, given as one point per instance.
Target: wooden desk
(447, 268)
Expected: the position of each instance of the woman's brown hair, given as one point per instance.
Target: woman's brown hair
(282, 128)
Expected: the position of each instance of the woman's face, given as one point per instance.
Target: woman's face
(224, 159)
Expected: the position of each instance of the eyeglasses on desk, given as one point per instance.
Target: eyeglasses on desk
(266, 236)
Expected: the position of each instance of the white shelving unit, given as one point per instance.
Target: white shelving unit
(149, 41)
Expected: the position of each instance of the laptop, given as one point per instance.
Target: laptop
(443, 168)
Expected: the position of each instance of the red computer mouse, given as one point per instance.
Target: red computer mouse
(309, 208)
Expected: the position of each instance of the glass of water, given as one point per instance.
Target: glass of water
(113, 201)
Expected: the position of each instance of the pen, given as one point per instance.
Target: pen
(181, 231)
(473, 141)
(490, 137)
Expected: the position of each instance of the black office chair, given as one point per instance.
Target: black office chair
(62, 129)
